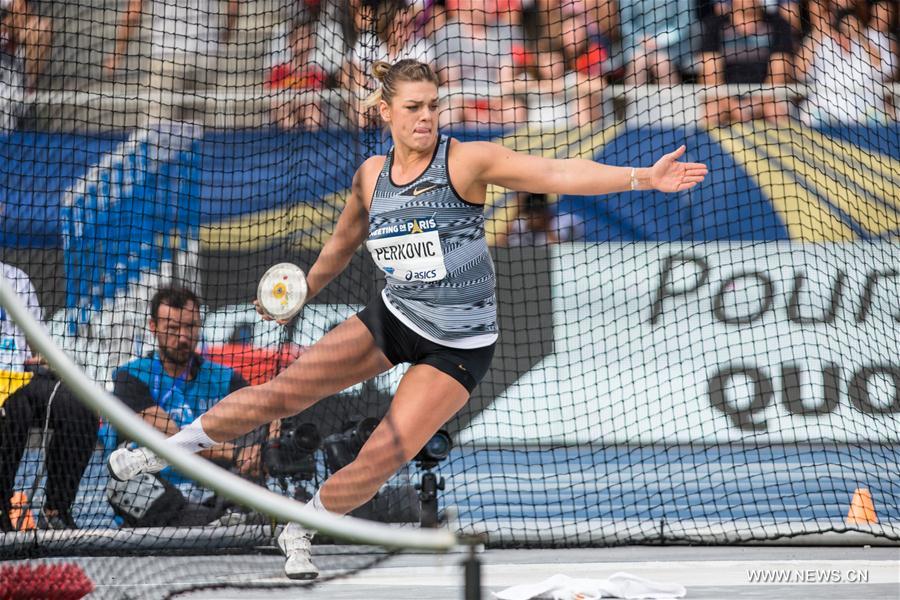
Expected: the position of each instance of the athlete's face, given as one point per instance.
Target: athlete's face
(413, 115)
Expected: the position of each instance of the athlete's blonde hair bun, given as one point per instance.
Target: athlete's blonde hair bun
(389, 75)
(380, 69)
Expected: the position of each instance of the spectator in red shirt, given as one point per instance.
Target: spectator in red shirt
(570, 81)
(21, 30)
(474, 54)
(294, 84)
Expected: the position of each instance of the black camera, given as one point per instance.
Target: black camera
(435, 450)
(293, 453)
(342, 448)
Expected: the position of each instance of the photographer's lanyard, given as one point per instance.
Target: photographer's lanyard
(156, 371)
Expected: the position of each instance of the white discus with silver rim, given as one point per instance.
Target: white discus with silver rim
(282, 291)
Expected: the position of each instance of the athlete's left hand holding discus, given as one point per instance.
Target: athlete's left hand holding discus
(266, 316)
(419, 211)
(281, 293)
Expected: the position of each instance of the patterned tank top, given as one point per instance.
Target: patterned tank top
(430, 244)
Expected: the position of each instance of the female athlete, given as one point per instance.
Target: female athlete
(419, 210)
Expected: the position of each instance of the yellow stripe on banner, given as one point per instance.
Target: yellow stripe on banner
(260, 229)
(881, 168)
(871, 216)
(525, 139)
(867, 174)
(806, 218)
(520, 140)
(597, 141)
(587, 138)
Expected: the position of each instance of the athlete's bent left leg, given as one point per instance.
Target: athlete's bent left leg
(426, 399)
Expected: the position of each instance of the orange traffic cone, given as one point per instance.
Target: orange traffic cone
(862, 509)
(19, 503)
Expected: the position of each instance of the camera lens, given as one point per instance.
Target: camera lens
(292, 454)
(361, 432)
(305, 438)
(438, 447)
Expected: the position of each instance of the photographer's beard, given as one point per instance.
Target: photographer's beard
(176, 358)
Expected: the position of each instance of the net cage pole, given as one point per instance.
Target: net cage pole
(215, 478)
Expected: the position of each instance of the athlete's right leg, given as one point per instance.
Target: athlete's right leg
(344, 357)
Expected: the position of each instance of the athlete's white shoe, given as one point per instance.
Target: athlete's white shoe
(125, 464)
(294, 542)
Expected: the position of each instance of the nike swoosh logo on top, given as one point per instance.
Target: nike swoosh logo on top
(416, 191)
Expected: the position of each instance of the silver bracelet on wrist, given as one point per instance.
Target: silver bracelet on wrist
(634, 182)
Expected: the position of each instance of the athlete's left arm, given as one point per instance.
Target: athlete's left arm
(495, 164)
(350, 231)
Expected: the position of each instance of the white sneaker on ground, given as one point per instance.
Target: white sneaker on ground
(125, 464)
(294, 542)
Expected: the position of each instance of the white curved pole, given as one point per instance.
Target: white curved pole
(215, 478)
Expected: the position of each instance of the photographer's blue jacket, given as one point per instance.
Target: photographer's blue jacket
(143, 383)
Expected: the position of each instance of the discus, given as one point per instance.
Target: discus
(282, 291)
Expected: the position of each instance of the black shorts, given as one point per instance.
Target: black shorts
(401, 344)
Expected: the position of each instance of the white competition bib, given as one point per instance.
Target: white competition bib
(409, 251)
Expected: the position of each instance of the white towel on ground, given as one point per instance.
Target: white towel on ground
(618, 585)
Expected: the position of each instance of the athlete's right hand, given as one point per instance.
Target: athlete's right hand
(266, 316)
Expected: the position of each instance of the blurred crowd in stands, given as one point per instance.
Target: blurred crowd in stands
(512, 61)
(507, 61)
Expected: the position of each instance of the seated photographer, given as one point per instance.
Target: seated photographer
(169, 389)
(32, 396)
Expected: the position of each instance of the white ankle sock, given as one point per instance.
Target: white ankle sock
(192, 438)
(316, 502)
(314, 505)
